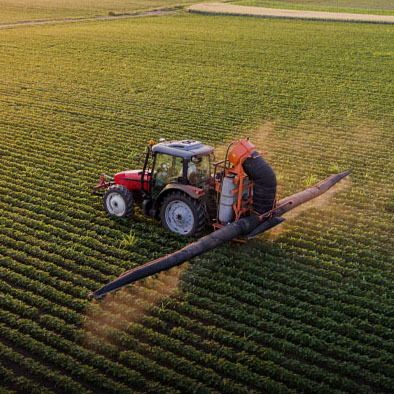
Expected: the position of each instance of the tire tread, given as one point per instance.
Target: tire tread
(195, 205)
(126, 194)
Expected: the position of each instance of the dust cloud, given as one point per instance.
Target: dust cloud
(260, 137)
(318, 203)
(130, 304)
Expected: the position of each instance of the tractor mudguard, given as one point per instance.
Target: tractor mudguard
(192, 191)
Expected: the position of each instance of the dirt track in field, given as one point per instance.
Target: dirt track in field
(94, 18)
(238, 10)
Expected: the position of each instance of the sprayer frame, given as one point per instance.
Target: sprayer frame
(232, 164)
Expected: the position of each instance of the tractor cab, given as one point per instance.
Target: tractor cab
(186, 162)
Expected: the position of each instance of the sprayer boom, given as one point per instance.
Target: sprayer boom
(263, 215)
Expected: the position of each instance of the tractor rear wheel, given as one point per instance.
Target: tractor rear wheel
(118, 201)
(182, 214)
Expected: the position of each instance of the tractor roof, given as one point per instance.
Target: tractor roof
(185, 148)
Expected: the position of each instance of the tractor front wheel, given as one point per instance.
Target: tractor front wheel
(118, 201)
(182, 214)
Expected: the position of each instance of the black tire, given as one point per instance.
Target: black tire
(118, 201)
(176, 217)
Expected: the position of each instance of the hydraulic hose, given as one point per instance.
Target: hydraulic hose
(264, 182)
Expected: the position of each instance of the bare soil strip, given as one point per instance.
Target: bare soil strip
(238, 10)
(104, 17)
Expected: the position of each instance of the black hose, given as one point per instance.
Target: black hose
(209, 242)
(264, 182)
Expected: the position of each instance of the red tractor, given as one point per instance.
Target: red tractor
(182, 185)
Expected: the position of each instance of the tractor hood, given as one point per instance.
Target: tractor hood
(132, 179)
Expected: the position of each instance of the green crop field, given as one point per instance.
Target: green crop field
(381, 7)
(26, 10)
(308, 308)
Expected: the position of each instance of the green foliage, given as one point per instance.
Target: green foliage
(308, 309)
(310, 180)
(12, 11)
(128, 241)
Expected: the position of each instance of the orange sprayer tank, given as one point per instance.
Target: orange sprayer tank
(236, 198)
(243, 149)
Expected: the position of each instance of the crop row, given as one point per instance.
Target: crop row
(21, 383)
(164, 315)
(36, 369)
(24, 312)
(74, 158)
(388, 323)
(79, 191)
(27, 326)
(74, 217)
(258, 280)
(317, 316)
(21, 310)
(25, 276)
(305, 356)
(221, 359)
(302, 320)
(293, 272)
(304, 340)
(68, 356)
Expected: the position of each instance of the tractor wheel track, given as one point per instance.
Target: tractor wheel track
(94, 18)
(238, 10)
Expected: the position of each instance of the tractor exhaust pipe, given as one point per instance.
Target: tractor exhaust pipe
(251, 225)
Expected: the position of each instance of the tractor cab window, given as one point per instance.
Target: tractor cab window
(167, 169)
(198, 170)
